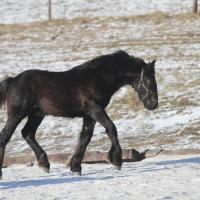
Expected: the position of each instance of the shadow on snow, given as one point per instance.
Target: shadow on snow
(43, 182)
(131, 167)
(195, 160)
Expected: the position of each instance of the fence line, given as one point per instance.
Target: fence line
(195, 6)
(49, 10)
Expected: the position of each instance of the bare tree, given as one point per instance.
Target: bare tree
(49, 10)
(195, 6)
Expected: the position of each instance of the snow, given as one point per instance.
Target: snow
(23, 11)
(172, 38)
(158, 178)
(173, 119)
(163, 33)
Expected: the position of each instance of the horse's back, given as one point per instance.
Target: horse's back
(59, 93)
(42, 90)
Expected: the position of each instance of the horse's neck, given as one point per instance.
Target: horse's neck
(129, 77)
(120, 80)
(126, 74)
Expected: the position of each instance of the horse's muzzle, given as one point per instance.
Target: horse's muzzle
(151, 107)
(151, 104)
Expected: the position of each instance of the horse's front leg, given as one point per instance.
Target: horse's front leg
(99, 115)
(84, 139)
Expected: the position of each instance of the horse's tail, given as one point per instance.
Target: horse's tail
(4, 89)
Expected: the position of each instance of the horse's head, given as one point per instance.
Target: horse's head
(146, 86)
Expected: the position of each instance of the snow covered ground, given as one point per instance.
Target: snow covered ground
(23, 11)
(60, 45)
(140, 28)
(160, 178)
(151, 29)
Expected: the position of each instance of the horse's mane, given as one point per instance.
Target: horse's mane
(104, 60)
(108, 62)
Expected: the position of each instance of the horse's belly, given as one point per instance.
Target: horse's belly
(62, 109)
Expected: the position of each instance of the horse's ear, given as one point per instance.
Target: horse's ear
(151, 66)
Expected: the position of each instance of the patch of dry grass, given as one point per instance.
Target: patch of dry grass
(156, 17)
(195, 131)
(81, 36)
(181, 102)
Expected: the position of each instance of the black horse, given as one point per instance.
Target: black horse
(84, 91)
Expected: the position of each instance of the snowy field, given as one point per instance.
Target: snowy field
(23, 11)
(160, 178)
(81, 30)
(150, 29)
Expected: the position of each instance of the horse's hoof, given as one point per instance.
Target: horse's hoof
(45, 166)
(45, 169)
(75, 173)
(0, 177)
(117, 167)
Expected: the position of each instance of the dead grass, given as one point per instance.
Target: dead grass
(80, 39)
(156, 17)
(182, 102)
(77, 35)
(195, 131)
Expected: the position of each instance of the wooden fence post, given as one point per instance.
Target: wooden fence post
(49, 10)
(195, 6)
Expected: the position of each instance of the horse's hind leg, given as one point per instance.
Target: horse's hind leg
(84, 139)
(28, 133)
(5, 136)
